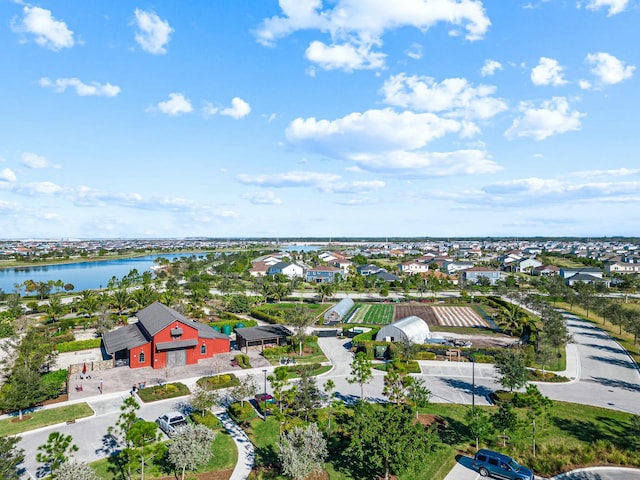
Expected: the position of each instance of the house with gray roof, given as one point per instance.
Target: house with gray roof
(162, 337)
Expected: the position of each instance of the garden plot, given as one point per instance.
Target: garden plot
(373, 314)
(441, 316)
(458, 317)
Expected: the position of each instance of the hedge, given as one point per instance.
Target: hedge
(218, 381)
(260, 315)
(232, 323)
(243, 360)
(77, 345)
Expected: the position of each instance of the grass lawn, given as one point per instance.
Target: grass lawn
(569, 436)
(42, 418)
(224, 458)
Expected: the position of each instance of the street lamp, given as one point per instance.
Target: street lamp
(265, 380)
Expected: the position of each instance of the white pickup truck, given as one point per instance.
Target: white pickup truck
(171, 422)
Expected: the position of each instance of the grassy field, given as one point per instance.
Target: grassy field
(569, 436)
(223, 460)
(43, 418)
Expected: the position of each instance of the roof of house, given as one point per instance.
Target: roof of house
(151, 320)
(265, 332)
(585, 277)
(124, 338)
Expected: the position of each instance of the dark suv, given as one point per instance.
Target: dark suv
(489, 463)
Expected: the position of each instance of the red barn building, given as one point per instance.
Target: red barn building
(162, 338)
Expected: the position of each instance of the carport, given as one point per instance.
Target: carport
(264, 336)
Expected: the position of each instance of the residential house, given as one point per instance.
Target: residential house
(287, 269)
(322, 274)
(528, 264)
(472, 275)
(545, 270)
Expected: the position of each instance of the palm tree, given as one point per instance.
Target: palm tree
(54, 307)
(512, 318)
(120, 300)
(325, 290)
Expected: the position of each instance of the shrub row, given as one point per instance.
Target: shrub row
(218, 381)
(260, 315)
(77, 345)
(243, 360)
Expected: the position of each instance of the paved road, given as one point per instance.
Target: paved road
(463, 471)
(607, 376)
(603, 375)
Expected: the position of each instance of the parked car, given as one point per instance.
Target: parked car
(495, 464)
(265, 397)
(171, 422)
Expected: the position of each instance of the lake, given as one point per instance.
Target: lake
(85, 275)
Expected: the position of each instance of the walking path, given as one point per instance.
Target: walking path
(246, 452)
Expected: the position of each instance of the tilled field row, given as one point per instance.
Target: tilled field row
(458, 317)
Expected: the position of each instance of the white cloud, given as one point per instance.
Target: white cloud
(608, 69)
(263, 198)
(153, 33)
(584, 84)
(239, 109)
(82, 89)
(373, 130)
(415, 52)
(289, 179)
(49, 32)
(384, 141)
(614, 6)
(346, 56)
(33, 160)
(618, 172)
(7, 175)
(37, 189)
(455, 96)
(176, 105)
(548, 72)
(429, 164)
(490, 67)
(356, 27)
(552, 117)
(358, 186)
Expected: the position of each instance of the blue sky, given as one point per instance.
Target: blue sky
(244, 118)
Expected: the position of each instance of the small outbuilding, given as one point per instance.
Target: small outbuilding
(411, 328)
(338, 312)
(263, 336)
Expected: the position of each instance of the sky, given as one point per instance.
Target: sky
(319, 118)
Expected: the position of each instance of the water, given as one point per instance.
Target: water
(83, 276)
(300, 248)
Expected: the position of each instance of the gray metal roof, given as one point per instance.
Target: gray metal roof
(266, 332)
(124, 338)
(157, 317)
(411, 328)
(176, 344)
(341, 308)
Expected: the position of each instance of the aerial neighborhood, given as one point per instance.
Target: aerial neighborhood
(482, 347)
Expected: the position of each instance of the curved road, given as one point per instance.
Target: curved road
(602, 375)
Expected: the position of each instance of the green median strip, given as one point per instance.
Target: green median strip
(43, 418)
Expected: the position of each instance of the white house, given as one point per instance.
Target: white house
(289, 270)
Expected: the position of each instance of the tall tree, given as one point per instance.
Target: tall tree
(479, 424)
(307, 397)
(302, 451)
(10, 457)
(246, 388)
(56, 451)
(385, 439)
(505, 419)
(190, 448)
(536, 405)
(141, 436)
(512, 368)
(360, 371)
